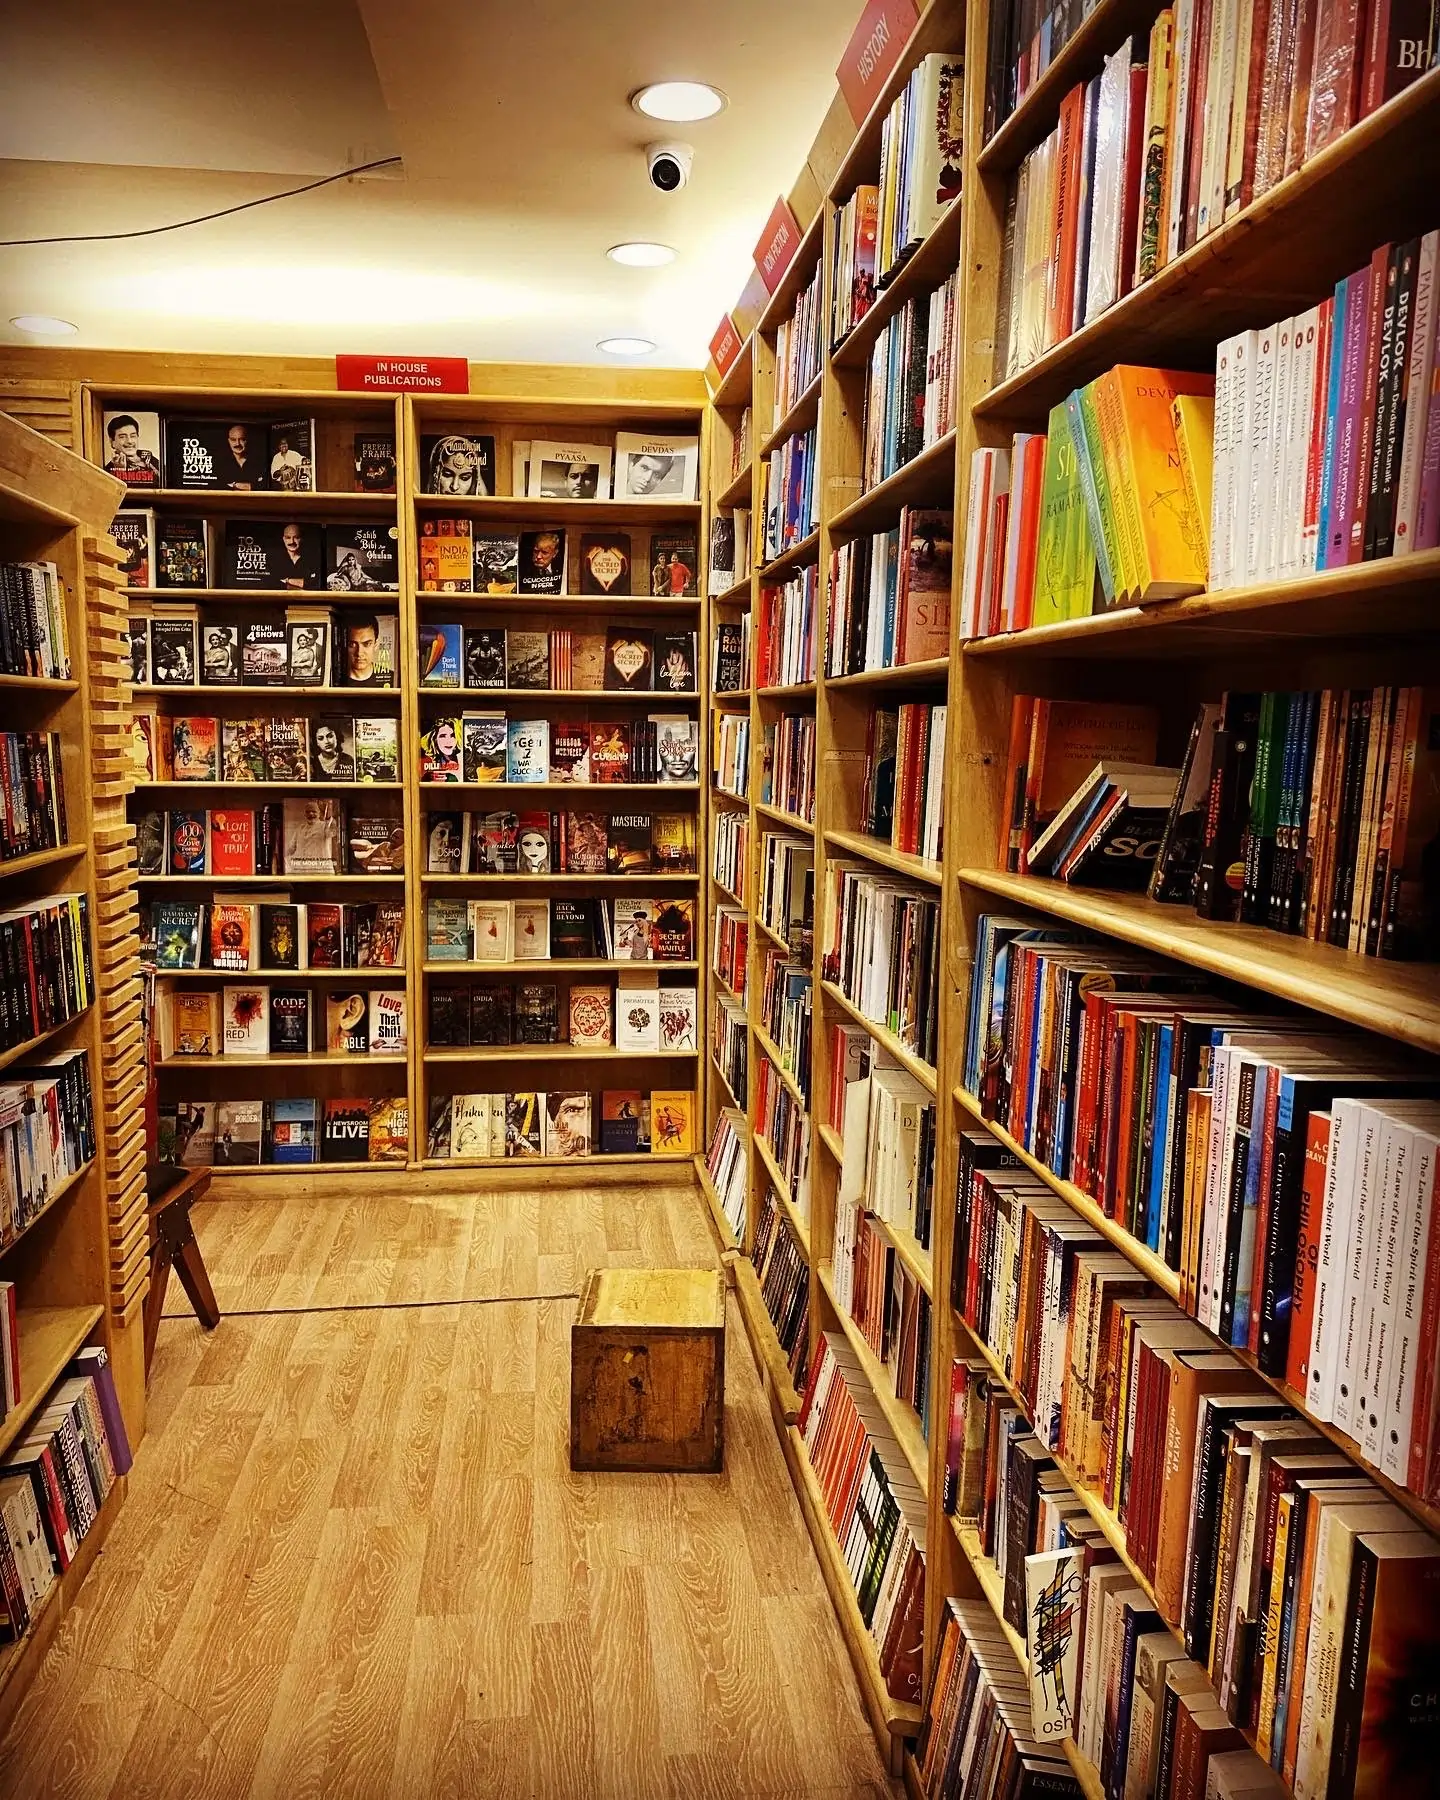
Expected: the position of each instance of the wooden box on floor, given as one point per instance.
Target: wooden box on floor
(647, 1372)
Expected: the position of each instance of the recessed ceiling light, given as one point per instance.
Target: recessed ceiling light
(625, 346)
(681, 102)
(38, 325)
(641, 256)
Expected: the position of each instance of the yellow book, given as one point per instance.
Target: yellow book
(672, 1124)
(1193, 417)
(1111, 420)
(1270, 1620)
(1168, 563)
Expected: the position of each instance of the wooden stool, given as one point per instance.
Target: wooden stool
(647, 1371)
(172, 1191)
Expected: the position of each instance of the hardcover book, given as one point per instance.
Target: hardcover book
(497, 562)
(332, 747)
(448, 1017)
(620, 1110)
(486, 657)
(347, 1024)
(260, 554)
(362, 558)
(485, 746)
(572, 928)
(307, 646)
(291, 444)
(447, 556)
(567, 1124)
(568, 471)
(536, 1013)
(491, 1016)
(376, 843)
(264, 652)
(528, 659)
(345, 1135)
(656, 466)
(456, 463)
(132, 448)
(673, 560)
(293, 1131)
(216, 453)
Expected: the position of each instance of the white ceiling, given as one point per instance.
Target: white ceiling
(522, 163)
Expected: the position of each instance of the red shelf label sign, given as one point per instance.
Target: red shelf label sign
(873, 51)
(725, 345)
(778, 243)
(402, 374)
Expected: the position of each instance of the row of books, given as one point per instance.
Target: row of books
(882, 950)
(788, 765)
(1328, 414)
(290, 747)
(921, 142)
(792, 493)
(635, 1012)
(730, 1046)
(787, 887)
(785, 631)
(47, 1134)
(34, 639)
(243, 936)
(346, 556)
(730, 761)
(621, 659)
(784, 1277)
(1183, 128)
(782, 1122)
(627, 930)
(244, 1019)
(489, 746)
(732, 551)
(910, 383)
(875, 1510)
(312, 836)
(239, 1133)
(742, 442)
(46, 972)
(53, 1484)
(147, 449)
(731, 655)
(903, 798)
(977, 1739)
(1104, 1373)
(797, 348)
(543, 843)
(786, 1006)
(637, 465)
(32, 793)
(886, 1123)
(888, 1304)
(731, 942)
(465, 1127)
(183, 645)
(727, 1163)
(890, 595)
(1225, 1141)
(730, 852)
(455, 558)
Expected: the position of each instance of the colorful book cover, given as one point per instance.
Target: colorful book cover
(484, 739)
(1064, 554)
(189, 843)
(672, 1124)
(442, 660)
(294, 1131)
(527, 750)
(245, 1012)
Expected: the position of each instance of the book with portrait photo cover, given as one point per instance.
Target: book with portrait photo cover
(362, 558)
(673, 560)
(457, 463)
(369, 649)
(332, 747)
(182, 553)
(262, 554)
(542, 562)
(654, 465)
(307, 634)
(568, 471)
(131, 448)
(313, 836)
(216, 453)
(485, 656)
(291, 464)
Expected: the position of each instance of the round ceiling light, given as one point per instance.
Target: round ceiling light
(40, 325)
(679, 102)
(625, 346)
(641, 255)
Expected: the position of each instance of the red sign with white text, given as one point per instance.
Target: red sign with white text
(725, 345)
(402, 374)
(873, 51)
(778, 243)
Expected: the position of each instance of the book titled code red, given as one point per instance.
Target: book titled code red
(402, 374)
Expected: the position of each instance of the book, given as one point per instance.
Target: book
(628, 848)
(637, 1012)
(389, 1130)
(672, 1123)
(345, 1131)
(332, 747)
(497, 562)
(457, 463)
(172, 647)
(609, 757)
(232, 842)
(569, 750)
(586, 842)
(245, 1018)
(239, 1131)
(374, 455)
(527, 749)
(673, 842)
(568, 471)
(281, 936)
(134, 534)
(257, 553)
(447, 930)
(591, 1015)
(189, 843)
(312, 836)
(232, 935)
(182, 553)
(377, 749)
(216, 453)
(530, 930)
(656, 466)
(292, 1131)
(132, 447)
(446, 556)
(605, 562)
(362, 558)
(290, 445)
(673, 565)
(375, 843)
(264, 652)
(347, 1024)
(441, 655)
(678, 1018)
(620, 1110)
(537, 1013)
(568, 1127)
(287, 749)
(485, 738)
(194, 1023)
(524, 1124)
(629, 659)
(527, 655)
(388, 1034)
(289, 1021)
(677, 747)
(369, 648)
(486, 657)
(541, 566)
(491, 930)
(440, 756)
(674, 662)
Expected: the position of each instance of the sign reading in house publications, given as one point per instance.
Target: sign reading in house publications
(778, 243)
(402, 374)
(725, 345)
(873, 51)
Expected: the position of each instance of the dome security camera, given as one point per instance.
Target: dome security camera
(668, 166)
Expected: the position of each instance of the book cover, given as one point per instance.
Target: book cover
(492, 1016)
(390, 1130)
(289, 1021)
(280, 936)
(134, 535)
(1064, 554)
(195, 1133)
(486, 657)
(674, 843)
(470, 1126)
(189, 843)
(587, 661)
(620, 1110)
(678, 1018)
(377, 749)
(677, 747)
(345, 1134)
(374, 453)
(674, 662)
(287, 749)
(388, 1032)
(293, 1131)
(591, 1014)
(194, 1023)
(609, 758)
(448, 1017)
(246, 1021)
(628, 850)
(375, 843)
(927, 543)
(568, 471)
(656, 466)
(527, 749)
(672, 930)
(570, 751)
(172, 648)
(572, 929)
(260, 554)
(444, 842)
(442, 655)
(457, 463)
(633, 930)
(150, 835)
(494, 843)
(132, 448)
(362, 557)
(673, 565)
(541, 563)
(524, 1124)
(386, 949)
(447, 931)
(497, 562)
(629, 659)
(447, 556)
(440, 759)
(239, 1131)
(530, 941)
(586, 838)
(347, 1024)
(537, 1013)
(242, 750)
(637, 1012)
(291, 447)
(672, 1123)
(605, 562)
(567, 1124)
(369, 649)
(232, 842)
(312, 835)
(492, 930)
(527, 655)
(182, 553)
(485, 743)
(232, 935)
(215, 453)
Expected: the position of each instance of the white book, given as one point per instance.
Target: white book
(1418, 398)
(1215, 138)
(1299, 414)
(1272, 522)
(1330, 1265)
(1220, 483)
(678, 1016)
(637, 1011)
(1358, 1250)
(1178, 135)
(1258, 497)
(1247, 351)
(1102, 286)
(1417, 1225)
(1221, 1116)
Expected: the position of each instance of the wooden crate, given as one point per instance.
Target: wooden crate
(647, 1371)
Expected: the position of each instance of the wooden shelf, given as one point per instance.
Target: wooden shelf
(429, 788)
(927, 266)
(739, 697)
(725, 796)
(500, 508)
(1394, 596)
(936, 30)
(766, 929)
(926, 480)
(832, 1141)
(622, 883)
(1400, 1000)
(41, 859)
(737, 594)
(270, 880)
(252, 690)
(721, 983)
(234, 1171)
(1164, 1278)
(772, 1051)
(290, 977)
(903, 1420)
(564, 965)
(271, 787)
(261, 500)
(735, 383)
(796, 277)
(539, 604)
(18, 1052)
(1268, 260)
(382, 599)
(791, 821)
(794, 1218)
(760, 1330)
(724, 1081)
(923, 1072)
(39, 684)
(500, 1053)
(899, 675)
(49, 1337)
(282, 1060)
(909, 1249)
(642, 1158)
(860, 843)
(606, 696)
(726, 893)
(803, 550)
(56, 1195)
(801, 416)
(899, 1718)
(738, 492)
(787, 690)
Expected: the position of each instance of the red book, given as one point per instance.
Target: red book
(1369, 395)
(232, 842)
(1060, 295)
(1134, 176)
(1032, 487)
(1397, 49)
(1335, 72)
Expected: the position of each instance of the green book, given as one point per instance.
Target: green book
(1064, 555)
(1104, 500)
(1089, 487)
(1265, 793)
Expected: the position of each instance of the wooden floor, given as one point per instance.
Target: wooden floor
(354, 1562)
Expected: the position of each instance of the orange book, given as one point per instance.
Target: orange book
(1060, 290)
(1032, 488)
(1067, 739)
(1151, 484)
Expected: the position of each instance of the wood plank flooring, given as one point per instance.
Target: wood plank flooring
(354, 1562)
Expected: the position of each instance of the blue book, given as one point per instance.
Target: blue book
(1159, 1147)
(1332, 412)
(527, 750)
(442, 655)
(294, 1130)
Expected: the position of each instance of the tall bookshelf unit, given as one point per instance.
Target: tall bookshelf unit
(1368, 624)
(78, 1266)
